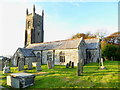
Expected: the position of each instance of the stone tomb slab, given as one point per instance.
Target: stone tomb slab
(20, 80)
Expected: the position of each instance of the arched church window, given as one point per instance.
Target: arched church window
(49, 55)
(62, 56)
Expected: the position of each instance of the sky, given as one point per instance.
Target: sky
(62, 19)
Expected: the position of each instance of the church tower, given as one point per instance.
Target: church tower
(34, 32)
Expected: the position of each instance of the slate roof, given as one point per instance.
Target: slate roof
(92, 43)
(63, 44)
(27, 52)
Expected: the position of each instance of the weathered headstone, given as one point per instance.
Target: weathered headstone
(38, 64)
(81, 65)
(1, 64)
(49, 64)
(67, 65)
(20, 65)
(30, 65)
(72, 64)
(78, 69)
(6, 69)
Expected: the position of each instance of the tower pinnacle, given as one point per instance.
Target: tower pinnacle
(27, 11)
(33, 8)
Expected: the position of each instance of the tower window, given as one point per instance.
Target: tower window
(28, 24)
(62, 56)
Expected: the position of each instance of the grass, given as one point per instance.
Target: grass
(61, 77)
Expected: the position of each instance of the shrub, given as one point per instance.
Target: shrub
(111, 52)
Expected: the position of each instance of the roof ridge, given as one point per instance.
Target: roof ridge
(91, 38)
(55, 41)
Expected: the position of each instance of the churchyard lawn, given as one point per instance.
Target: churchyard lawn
(62, 77)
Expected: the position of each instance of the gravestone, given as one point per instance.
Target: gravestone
(81, 65)
(49, 64)
(72, 64)
(1, 64)
(20, 65)
(67, 65)
(6, 69)
(38, 64)
(101, 64)
(78, 69)
(30, 65)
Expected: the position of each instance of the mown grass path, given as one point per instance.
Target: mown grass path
(61, 77)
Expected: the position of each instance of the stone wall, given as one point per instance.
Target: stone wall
(70, 55)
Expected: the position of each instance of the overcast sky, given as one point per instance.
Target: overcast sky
(62, 19)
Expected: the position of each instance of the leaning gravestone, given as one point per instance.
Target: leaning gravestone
(30, 65)
(72, 64)
(20, 65)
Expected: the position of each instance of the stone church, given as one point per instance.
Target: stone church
(60, 52)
